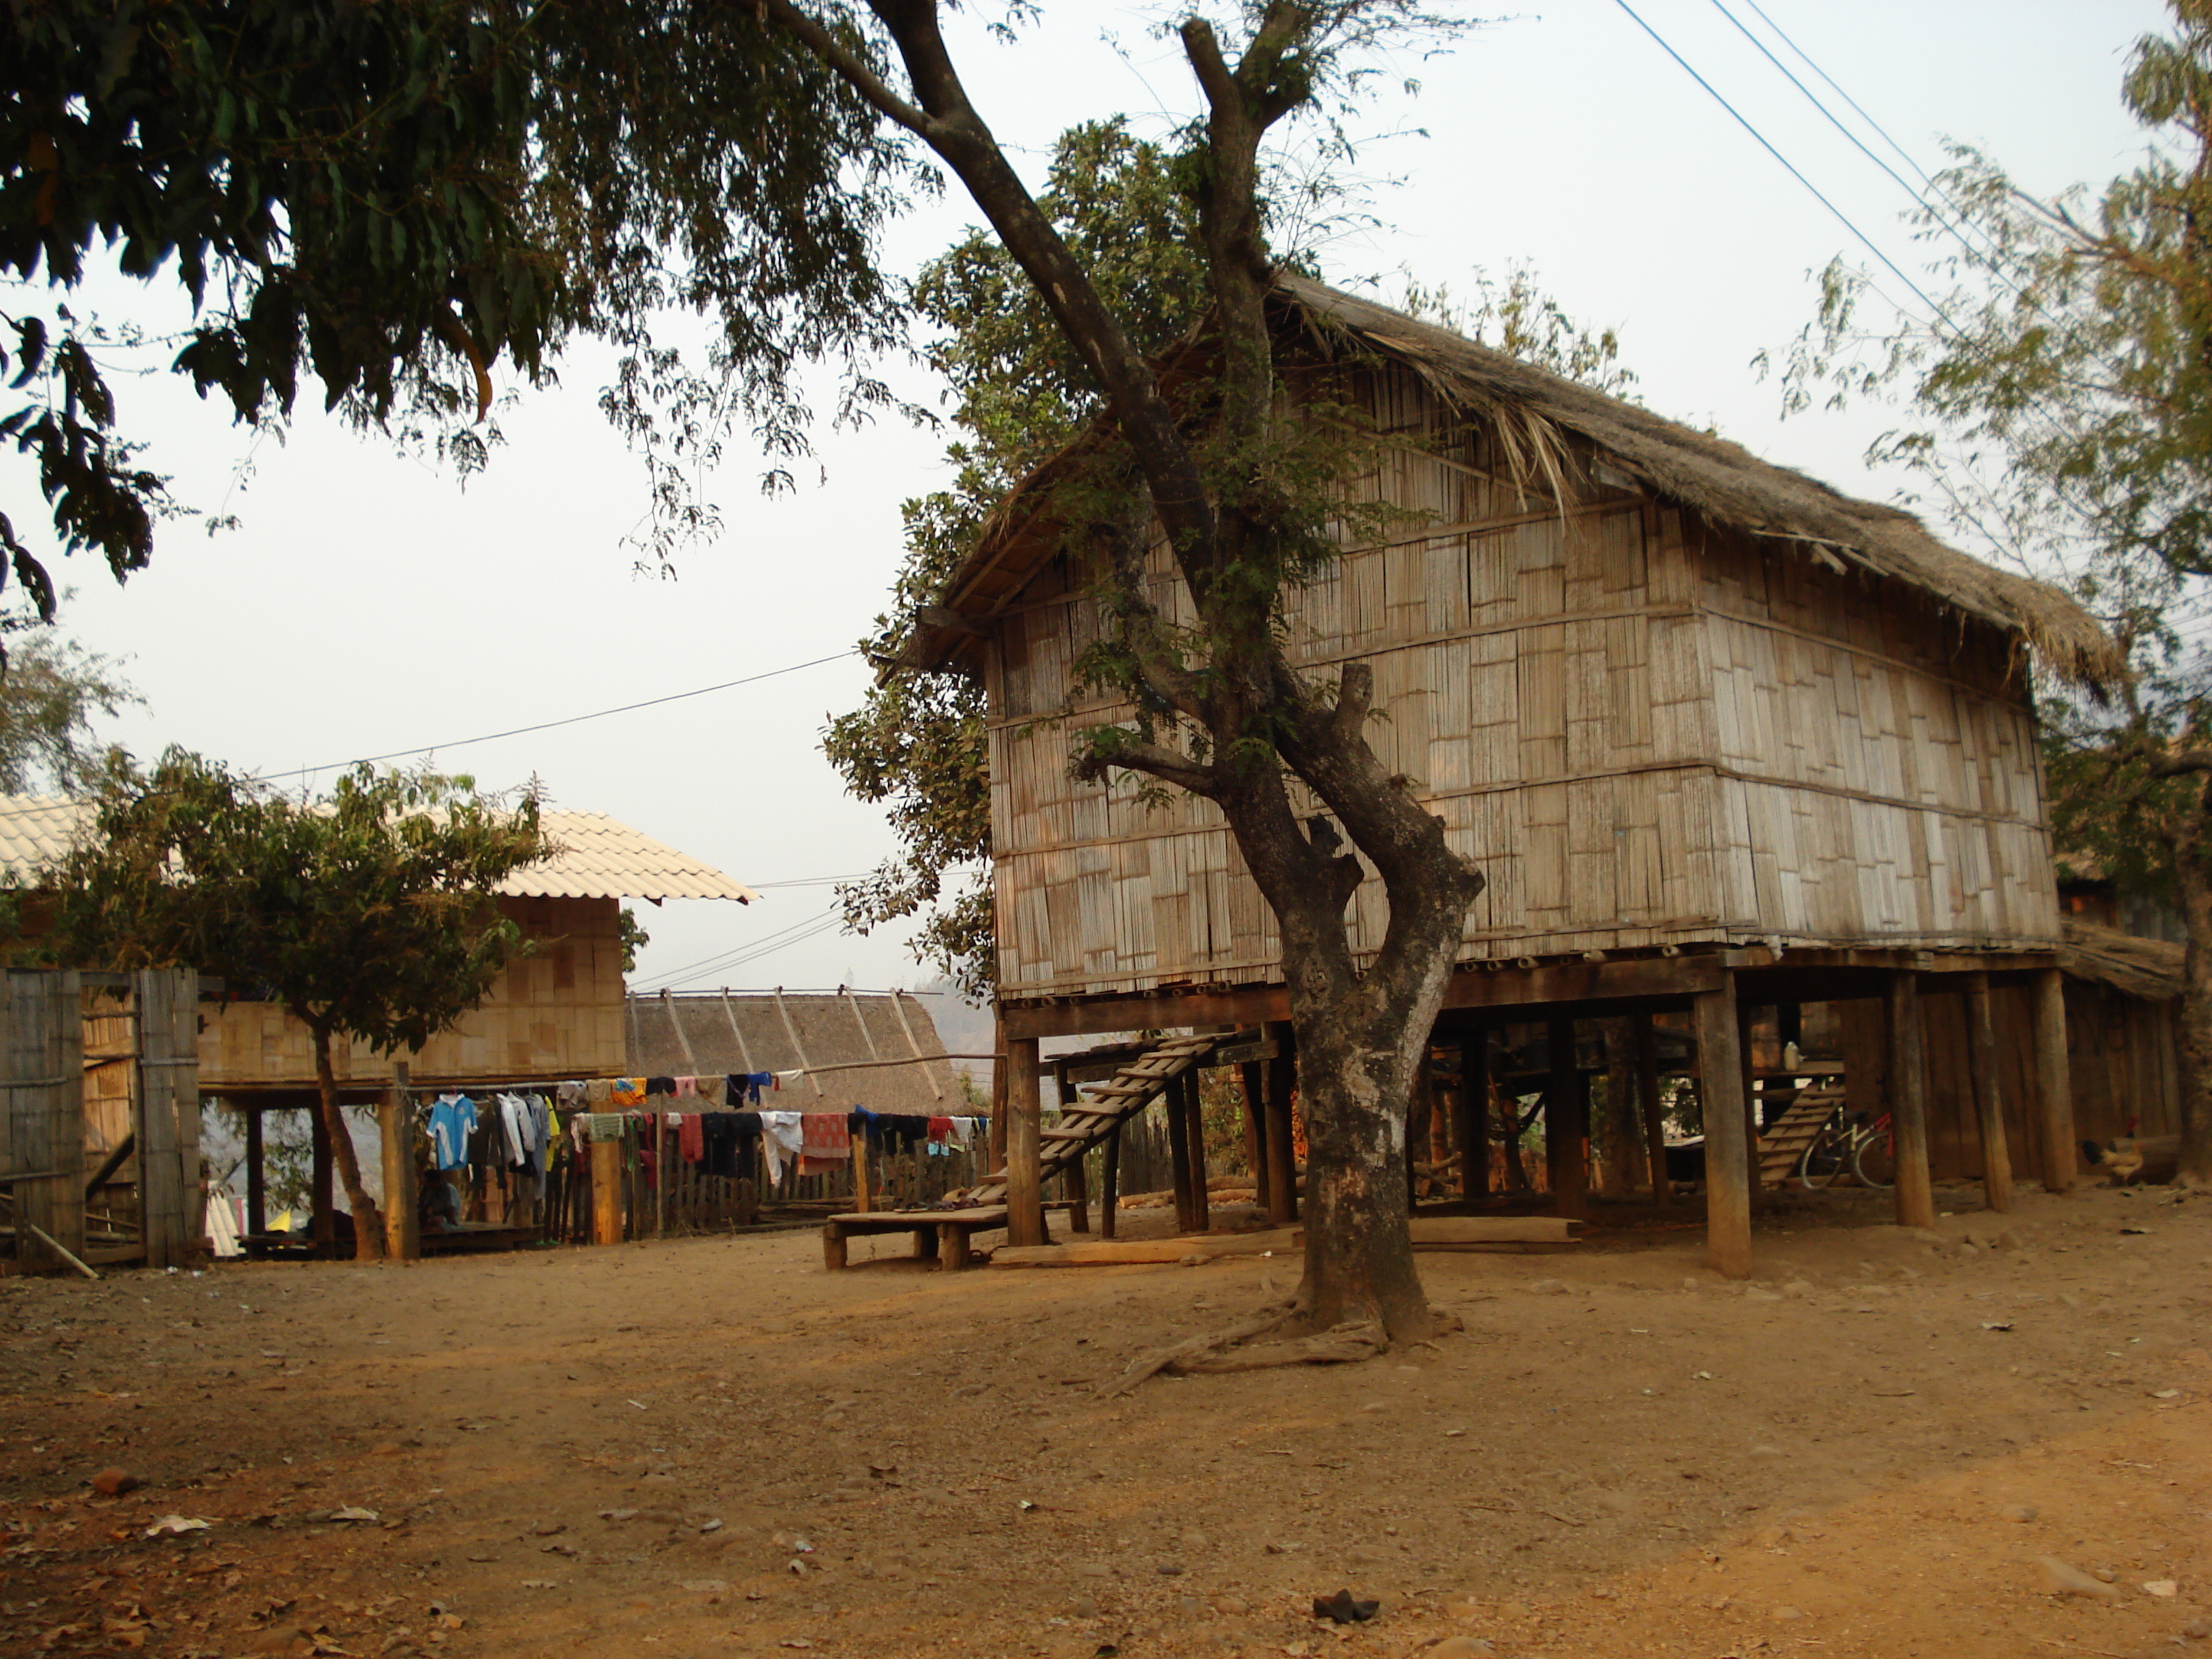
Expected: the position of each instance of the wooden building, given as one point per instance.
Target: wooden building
(1719, 736)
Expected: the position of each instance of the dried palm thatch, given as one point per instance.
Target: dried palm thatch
(1532, 412)
(1722, 481)
(2146, 967)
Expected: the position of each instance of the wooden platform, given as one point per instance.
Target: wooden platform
(939, 1236)
(478, 1235)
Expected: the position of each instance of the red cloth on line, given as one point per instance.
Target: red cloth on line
(941, 1129)
(691, 1139)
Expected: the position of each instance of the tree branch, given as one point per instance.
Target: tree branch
(1154, 760)
(848, 64)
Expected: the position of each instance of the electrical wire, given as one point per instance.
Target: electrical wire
(1744, 122)
(720, 959)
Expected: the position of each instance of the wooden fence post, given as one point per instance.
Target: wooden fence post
(1024, 1173)
(1193, 1106)
(1110, 1185)
(1719, 1098)
(1252, 1082)
(1989, 1101)
(1908, 1099)
(165, 1228)
(606, 1191)
(2054, 1083)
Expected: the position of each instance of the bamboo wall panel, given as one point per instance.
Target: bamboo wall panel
(1644, 730)
(556, 1015)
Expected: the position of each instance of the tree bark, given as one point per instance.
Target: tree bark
(368, 1219)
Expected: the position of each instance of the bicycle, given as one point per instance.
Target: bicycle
(1865, 1146)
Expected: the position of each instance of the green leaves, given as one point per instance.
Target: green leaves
(371, 915)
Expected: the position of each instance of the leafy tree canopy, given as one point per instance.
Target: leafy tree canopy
(51, 693)
(390, 197)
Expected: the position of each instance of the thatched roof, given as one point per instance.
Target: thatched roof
(2146, 967)
(708, 1033)
(1723, 482)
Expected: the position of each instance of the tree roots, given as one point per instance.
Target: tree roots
(1227, 1351)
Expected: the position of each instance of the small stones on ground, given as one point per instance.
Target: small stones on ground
(1093, 1570)
(2020, 1513)
(1231, 1607)
(2199, 1629)
(1344, 1608)
(2164, 1588)
(113, 1483)
(549, 1530)
(1462, 1647)
(1546, 1287)
(2063, 1578)
(1085, 1608)
(1787, 1615)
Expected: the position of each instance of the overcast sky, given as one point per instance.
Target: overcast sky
(367, 604)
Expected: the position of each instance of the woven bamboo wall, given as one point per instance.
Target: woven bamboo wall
(556, 1015)
(1646, 730)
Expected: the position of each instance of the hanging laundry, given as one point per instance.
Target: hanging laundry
(713, 1090)
(780, 1137)
(825, 1143)
(963, 1131)
(571, 1095)
(941, 1130)
(599, 1094)
(658, 1085)
(452, 1121)
(691, 1136)
(627, 1091)
(862, 1121)
(687, 1088)
(902, 1131)
(781, 1079)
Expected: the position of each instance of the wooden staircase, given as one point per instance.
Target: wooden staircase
(1787, 1136)
(1102, 1107)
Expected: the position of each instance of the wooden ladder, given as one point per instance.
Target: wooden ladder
(1787, 1136)
(1102, 1107)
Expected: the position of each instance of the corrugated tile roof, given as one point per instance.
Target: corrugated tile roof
(600, 857)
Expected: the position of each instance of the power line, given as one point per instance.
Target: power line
(1744, 122)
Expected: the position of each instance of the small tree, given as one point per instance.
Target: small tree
(369, 917)
(50, 687)
(2063, 416)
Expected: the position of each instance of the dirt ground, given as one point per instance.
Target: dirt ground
(713, 1448)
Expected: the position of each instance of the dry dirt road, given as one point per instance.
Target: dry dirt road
(713, 1449)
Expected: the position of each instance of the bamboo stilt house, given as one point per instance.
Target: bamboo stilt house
(1718, 735)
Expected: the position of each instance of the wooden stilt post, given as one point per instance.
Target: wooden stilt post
(1109, 1195)
(256, 1172)
(1282, 1158)
(1077, 1184)
(1474, 1114)
(1746, 1016)
(323, 1226)
(1194, 1098)
(1251, 1080)
(1179, 1154)
(1989, 1102)
(403, 1216)
(2054, 1084)
(1024, 1174)
(863, 1199)
(1720, 1090)
(1908, 1099)
(1655, 1110)
(1566, 1142)
(998, 1094)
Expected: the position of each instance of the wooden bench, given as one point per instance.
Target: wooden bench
(939, 1236)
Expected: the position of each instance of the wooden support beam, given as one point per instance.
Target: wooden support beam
(1075, 1186)
(1908, 1098)
(1179, 1156)
(1024, 1173)
(1109, 1196)
(2054, 1083)
(1282, 1155)
(1474, 1114)
(1655, 1110)
(403, 1210)
(1251, 1080)
(1201, 1217)
(1989, 1101)
(256, 1172)
(1566, 1135)
(167, 1008)
(1720, 1091)
(607, 1192)
(863, 1197)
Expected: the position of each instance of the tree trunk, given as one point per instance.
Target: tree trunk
(368, 1219)
(2193, 877)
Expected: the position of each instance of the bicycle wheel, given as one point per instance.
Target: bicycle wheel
(1874, 1162)
(1826, 1158)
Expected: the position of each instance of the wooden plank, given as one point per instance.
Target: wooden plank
(160, 1159)
(403, 1218)
(1566, 1134)
(607, 1192)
